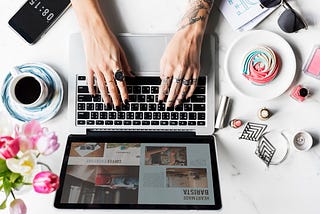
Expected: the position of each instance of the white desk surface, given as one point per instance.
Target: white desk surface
(247, 186)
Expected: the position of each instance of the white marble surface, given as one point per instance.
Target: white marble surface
(247, 186)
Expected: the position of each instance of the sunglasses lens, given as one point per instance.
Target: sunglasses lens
(270, 3)
(290, 22)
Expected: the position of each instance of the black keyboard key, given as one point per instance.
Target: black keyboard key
(136, 89)
(192, 123)
(156, 115)
(173, 123)
(187, 107)
(104, 115)
(201, 123)
(154, 90)
(134, 107)
(161, 107)
(164, 123)
(127, 123)
(90, 106)
(129, 89)
(165, 115)
(141, 98)
(99, 106)
(178, 108)
(192, 116)
(97, 98)
(126, 107)
(107, 107)
(150, 98)
(83, 89)
(183, 116)
(99, 122)
(84, 98)
(129, 115)
(155, 123)
(198, 99)
(170, 108)
(143, 107)
(182, 123)
(90, 122)
(118, 122)
(145, 90)
(94, 115)
(81, 106)
(145, 123)
(152, 107)
(109, 122)
(121, 115)
(148, 115)
(136, 123)
(202, 80)
(112, 115)
(199, 107)
(83, 115)
(132, 98)
(138, 115)
(174, 115)
(81, 77)
(200, 90)
(201, 116)
(81, 122)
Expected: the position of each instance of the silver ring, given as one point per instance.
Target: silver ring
(186, 82)
(119, 75)
(177, 80)
(194, 81)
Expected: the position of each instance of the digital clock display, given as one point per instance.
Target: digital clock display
(36, 16)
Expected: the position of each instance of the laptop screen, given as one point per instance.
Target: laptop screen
(140, 173)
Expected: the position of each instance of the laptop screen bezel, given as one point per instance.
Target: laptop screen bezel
(143, 138)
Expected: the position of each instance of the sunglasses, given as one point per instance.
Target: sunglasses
(289, 21)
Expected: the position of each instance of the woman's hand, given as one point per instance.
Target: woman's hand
(104, 55)
(180, 63)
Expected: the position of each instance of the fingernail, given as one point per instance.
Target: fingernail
(187, 99)
(109, 106)
(126, 102)
(177, 107)
(160, 102)
(118, 108)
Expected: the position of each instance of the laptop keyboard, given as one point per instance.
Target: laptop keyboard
(143, 108)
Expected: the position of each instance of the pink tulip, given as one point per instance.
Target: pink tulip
(9, 147)
(45, 182)
(17, 206)
(29, 135)
(47, 143)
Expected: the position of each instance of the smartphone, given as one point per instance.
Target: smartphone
(35, 18)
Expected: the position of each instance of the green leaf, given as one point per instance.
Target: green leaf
(3, 166)
(7, 187)
(4, 204)
(14, 177)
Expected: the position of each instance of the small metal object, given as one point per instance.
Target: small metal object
(177, 80)
(119, 75)
(186, 82)
(235, 123)
(222, 112)
(264, 114)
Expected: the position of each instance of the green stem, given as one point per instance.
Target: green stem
(41, 163)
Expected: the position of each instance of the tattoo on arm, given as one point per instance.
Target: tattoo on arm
(198, 11)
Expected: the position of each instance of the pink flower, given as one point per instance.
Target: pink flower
(17, 206)
(45, 182)
(29, 134)
(9, 147)
(47, 143)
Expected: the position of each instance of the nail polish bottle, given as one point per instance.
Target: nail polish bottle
(299, 93)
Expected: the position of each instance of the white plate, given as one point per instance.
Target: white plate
(43, 112)
(253, 39)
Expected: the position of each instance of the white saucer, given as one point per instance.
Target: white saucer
(40, 113)
(248, 41)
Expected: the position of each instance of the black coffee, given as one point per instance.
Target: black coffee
(27, 90)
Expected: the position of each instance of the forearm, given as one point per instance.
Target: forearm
(196, 17)
(89, 15)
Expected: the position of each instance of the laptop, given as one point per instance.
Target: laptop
(144, 156)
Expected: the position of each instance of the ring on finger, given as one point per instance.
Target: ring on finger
(119, 75)
(177, 80)
(194, 81)
(186, 82)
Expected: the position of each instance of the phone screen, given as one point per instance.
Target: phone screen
(36, 16)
